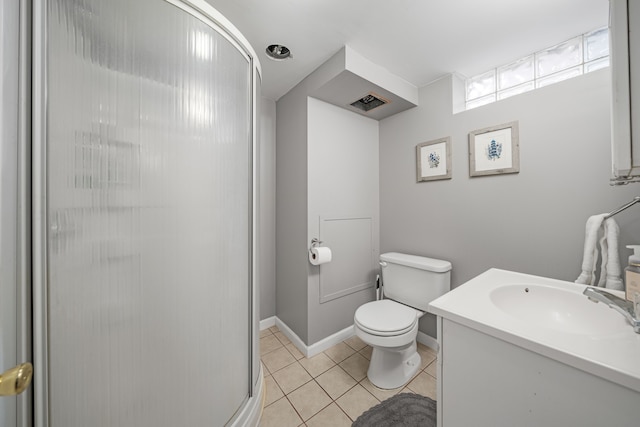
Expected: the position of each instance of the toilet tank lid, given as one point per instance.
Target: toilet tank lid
(423, 263)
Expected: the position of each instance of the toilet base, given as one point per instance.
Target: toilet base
(393, 367)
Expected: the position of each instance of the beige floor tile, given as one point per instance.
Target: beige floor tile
(355, 343)
(425, 385)
(272, 391)
(280, 414)
(282, 338)
(356, 401)
(265, 333)
(339, 352)
(427, 355)
(379, 393)
(277, 360)
(427, 349)
(366, 352)
(432, 369)
(294, 351)
(331, 416)
(336, 382)
(268, 344)
(309, 399)
(291, 377)
(317, 364)
(274, 329)
(356, 365)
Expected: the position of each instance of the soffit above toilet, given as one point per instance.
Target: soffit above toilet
(354, 77)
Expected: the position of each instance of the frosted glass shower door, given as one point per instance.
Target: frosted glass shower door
(148, 209)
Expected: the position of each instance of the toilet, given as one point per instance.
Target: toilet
(390, 325)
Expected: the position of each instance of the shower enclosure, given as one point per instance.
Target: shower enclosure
(144, 208)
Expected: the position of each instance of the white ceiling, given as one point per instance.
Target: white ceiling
(418, 40)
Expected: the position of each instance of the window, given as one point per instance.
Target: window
(582, 54)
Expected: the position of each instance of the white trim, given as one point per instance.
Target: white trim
(427, 340)
(330, 341)
(295, 339)
(320, 346)
(267, 323)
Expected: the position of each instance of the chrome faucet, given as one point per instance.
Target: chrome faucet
(630, 310)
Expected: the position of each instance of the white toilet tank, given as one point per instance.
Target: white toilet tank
(414, 280)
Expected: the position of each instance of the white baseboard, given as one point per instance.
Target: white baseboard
(295, 339)
(330, 341)
(430, 342)
(313, 349)
(267, 323)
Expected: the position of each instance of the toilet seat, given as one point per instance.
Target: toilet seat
(385, 318)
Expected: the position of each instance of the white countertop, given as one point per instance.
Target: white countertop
(614, 356)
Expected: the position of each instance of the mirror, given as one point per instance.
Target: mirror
(625, 78)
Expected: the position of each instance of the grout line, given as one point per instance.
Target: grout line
(347, 415)
(294, 408)
(338, 405)
(404, 389)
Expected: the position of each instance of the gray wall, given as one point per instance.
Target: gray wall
(343, 196)
(267, 224)
(291, 211)
(532, 222)
(291, 199)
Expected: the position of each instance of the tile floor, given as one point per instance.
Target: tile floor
(330, 389)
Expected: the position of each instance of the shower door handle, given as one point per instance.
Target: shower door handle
(16, 380)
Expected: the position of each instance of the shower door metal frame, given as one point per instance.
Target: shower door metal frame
(39, 220)
(24, 247)
(35, 232)
(16, 158)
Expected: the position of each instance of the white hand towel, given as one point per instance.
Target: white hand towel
(590, 256)
(610, 270)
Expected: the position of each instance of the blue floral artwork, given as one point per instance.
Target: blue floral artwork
(433, 159)
(494, 150)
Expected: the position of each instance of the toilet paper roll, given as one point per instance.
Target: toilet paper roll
(321, 255)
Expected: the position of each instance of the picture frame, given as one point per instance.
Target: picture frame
(433, 160)
(494, 150)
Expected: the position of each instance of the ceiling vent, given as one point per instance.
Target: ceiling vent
(369, 102)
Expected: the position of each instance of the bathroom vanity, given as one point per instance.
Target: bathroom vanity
(522, 350)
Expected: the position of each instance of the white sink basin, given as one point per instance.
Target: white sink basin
(553, 319)
(556, 308)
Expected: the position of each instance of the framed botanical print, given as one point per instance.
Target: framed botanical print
(434, 160)
(494, 150)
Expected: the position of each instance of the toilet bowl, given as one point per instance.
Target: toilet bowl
(391, 329)
(390, 326)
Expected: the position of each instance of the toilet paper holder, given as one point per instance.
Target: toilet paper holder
(315, 243)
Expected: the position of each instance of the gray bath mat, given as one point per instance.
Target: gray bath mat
(405, 409)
